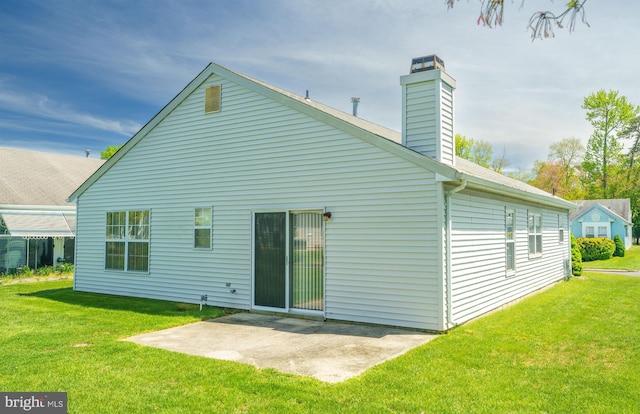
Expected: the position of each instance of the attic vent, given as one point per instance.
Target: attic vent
(212, 99)
(431, 62)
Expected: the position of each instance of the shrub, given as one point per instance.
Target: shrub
(620, 248)
(25, 271)
(64, 268)
(44, 271)
(598, 248)
(576, 257)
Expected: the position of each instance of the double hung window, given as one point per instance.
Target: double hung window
(202, 228)
(127, 240)
(510, 240)
(534, 231)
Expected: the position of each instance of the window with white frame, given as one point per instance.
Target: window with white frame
(602, 232)
(560, 228)
(127, 241)
(534, 231)
(591, 230)
(202, 226)
(510, 221)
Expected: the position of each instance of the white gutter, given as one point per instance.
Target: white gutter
(449, 321)
(35, 207)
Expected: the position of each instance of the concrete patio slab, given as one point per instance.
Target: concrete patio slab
(329, 351)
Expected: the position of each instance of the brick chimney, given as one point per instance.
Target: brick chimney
(427, 109)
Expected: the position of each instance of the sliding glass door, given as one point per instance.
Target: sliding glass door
(289, 260)
(307, 270)
(270, 260)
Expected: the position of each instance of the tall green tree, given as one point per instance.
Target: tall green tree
(632, 133)
(110, 151)
(609, 114)
(480, 152)
(632, 177)
(464, 146)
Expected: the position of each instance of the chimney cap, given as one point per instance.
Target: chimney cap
(429, 62)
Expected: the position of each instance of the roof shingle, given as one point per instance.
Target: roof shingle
(40, 178)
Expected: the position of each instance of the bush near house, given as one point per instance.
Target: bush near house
(576, 257)
(598, 248)
(61, 269)
(620, 248)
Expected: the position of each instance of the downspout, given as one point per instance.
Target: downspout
(449, 321)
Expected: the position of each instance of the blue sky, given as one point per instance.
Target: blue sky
(78, 75)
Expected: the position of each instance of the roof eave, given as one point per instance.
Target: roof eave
(501, 189)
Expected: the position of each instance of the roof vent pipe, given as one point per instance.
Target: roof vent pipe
(355, 100)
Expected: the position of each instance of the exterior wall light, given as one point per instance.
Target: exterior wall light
(326, 216)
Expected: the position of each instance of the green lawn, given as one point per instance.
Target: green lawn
(630, 261)
(574, 348)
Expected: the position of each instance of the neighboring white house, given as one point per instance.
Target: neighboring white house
(256, 198)
(37, 224)
(603, 218)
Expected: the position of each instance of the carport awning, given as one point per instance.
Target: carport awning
(35, 224)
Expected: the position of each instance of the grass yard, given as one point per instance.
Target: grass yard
(630, 261)
(572, 348)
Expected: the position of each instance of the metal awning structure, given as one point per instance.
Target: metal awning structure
(36, 224)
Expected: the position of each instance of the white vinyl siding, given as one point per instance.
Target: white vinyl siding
(382, 243)
(479, 255)
(447, 144)
(429, 117)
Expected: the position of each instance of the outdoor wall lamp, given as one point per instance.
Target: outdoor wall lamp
(326, 216)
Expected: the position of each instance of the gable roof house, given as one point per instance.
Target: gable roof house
(603, 218)
(247, 196)
(37, 224)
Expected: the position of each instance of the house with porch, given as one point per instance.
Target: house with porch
(37, 224)
(241, 194)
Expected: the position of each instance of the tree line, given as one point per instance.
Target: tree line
(607, 167)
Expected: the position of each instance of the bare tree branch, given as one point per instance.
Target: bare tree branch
(541, 23)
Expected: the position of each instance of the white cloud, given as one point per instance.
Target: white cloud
(515, 93)
(39, 106)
